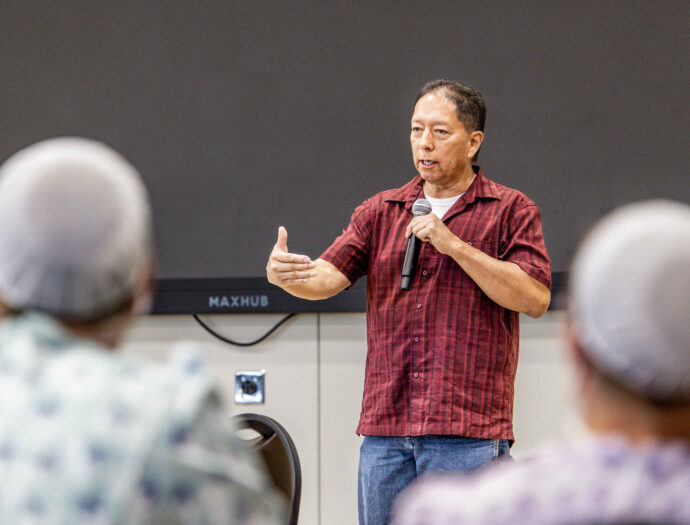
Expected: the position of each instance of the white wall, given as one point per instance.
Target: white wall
(314, 375)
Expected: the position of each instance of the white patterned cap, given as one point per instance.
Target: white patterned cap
(630, 298)
(75, 229)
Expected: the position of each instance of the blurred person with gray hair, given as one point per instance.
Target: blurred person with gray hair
(88, 435)
(629, 332)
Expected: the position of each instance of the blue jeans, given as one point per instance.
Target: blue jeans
(388, 464)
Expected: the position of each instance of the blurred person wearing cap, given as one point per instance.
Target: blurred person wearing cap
(88, 435)
(629, 332)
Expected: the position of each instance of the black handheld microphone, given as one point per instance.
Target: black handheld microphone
(420, 207)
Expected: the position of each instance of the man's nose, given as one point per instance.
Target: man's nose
(426, 141)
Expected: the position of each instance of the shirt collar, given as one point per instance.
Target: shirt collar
(481, 188)
(46, 329)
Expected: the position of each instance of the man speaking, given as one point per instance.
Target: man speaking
(442, 351)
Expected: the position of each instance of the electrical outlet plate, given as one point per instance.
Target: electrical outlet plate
(249, 387)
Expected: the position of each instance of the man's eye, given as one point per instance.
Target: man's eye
(416, 129)
(441, 132)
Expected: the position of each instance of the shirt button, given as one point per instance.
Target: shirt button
(416, 374)
(425, 272)
(419, 306)
(469, 243)
(416, 339)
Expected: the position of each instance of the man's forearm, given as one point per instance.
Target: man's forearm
(503, 282)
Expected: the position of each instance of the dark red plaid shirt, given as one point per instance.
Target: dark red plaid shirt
(442, 356)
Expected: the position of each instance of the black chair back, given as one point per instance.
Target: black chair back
(278, 451)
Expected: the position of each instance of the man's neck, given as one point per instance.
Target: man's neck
(638, 421)
(107, 333)
(453, 189)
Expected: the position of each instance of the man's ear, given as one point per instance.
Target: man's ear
(584, 370)
(476, 139)
(143, 295)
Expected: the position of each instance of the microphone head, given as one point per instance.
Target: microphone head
(421, 207)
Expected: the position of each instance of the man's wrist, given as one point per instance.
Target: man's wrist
(457, 248)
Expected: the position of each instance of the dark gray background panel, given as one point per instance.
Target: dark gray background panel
(242, 116)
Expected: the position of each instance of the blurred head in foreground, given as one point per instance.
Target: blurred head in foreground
(91, 436)
(630, 321)
(629, 332)
(75, 232)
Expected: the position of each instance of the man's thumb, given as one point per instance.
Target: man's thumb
(282, 239)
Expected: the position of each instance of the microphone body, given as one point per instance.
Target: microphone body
(420, 207)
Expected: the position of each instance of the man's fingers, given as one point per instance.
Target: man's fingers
(424, 227)
(294, 258)
(285, 268)
(281, 243)
(415, 229)
(296, 277)
(415, 225)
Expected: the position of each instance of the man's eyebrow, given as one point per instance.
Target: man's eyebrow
(433, 122)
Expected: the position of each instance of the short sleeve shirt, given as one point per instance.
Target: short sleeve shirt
(441, 356)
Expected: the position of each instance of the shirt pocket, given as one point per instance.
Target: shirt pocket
(462, 283)
(488, 247)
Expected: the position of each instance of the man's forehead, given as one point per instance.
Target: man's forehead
(435, 107)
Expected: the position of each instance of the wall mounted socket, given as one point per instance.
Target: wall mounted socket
(249, 387)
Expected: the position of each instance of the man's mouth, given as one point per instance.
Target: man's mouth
(427, 162)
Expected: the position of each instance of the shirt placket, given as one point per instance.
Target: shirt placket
(419, 338)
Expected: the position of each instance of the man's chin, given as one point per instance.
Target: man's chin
(430, 176)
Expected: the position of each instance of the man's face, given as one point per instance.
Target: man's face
(442, 148)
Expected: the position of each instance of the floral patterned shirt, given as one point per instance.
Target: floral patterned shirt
(88, 435)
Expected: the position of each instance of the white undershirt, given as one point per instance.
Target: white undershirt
(439, 207)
